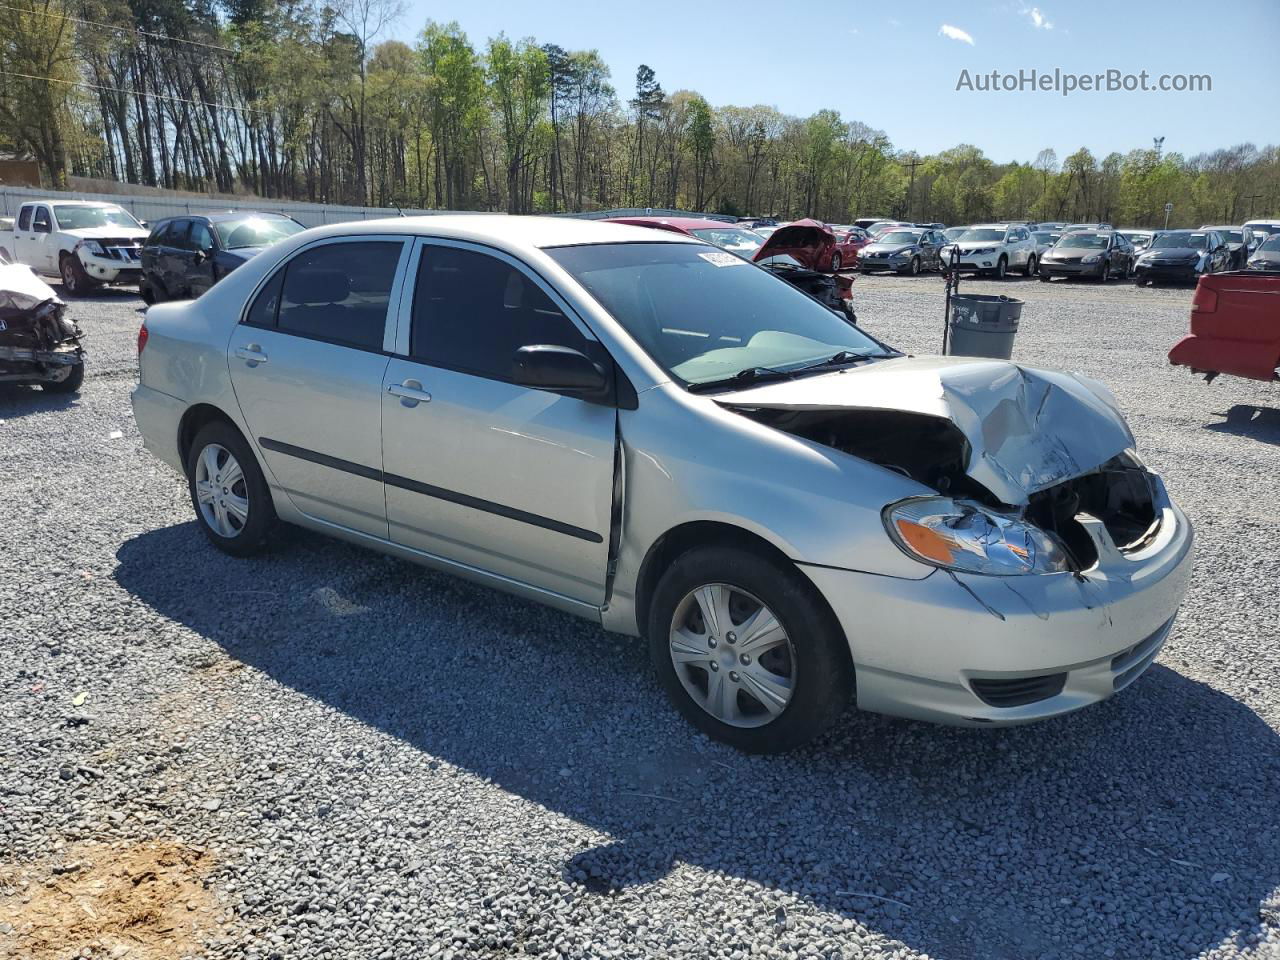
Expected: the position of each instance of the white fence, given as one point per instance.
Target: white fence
(156, 207)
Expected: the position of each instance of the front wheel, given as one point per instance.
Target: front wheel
(228, 490)
(1002, 268)
(914, 269)
(70, 378)
(747, 650)
(835, 261)
(1104, 272)
(74, 280)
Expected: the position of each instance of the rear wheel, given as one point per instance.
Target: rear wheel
(228, 490)
(74, 280)
(1002, 268)
(1030, 270)
(1104, 272)
(915, 267)
(747, 649)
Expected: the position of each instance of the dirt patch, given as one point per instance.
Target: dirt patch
(136, 901)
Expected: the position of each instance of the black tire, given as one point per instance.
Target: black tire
(1103, 273)
(1030, 269)
(4, 255)
(822, 668)
(75, 282)
(69, 385)
(1045, 278)
(835, 261)
(914, 269)
(253, 535)
(1002, 267)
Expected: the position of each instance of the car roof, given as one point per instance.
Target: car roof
(503, 231)
(681, 223)
(76, 203)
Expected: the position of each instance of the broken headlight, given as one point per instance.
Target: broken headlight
(961, 535)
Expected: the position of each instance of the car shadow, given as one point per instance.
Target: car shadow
(23, 401)
(990, 843)
(1246, 420)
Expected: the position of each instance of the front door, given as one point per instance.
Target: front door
(200, 265)
(307, 365)
(479, 469)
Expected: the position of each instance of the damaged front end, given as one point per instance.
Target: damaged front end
(39, 344)
(1034, 470)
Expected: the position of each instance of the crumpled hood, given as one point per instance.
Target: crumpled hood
(1028, 429)
(20, 289)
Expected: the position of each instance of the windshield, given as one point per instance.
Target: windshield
(1271, 246)
(954, 233)
(1084, 241)
(1046, 237)
(982, 236)
(71, 217)
(898, 236)
(738, 241)
(1137, 237)
(1180, 238)
(704, 315)
(1235, 236)
(254, 231)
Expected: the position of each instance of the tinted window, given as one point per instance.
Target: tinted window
(263, 311)
(42, 219)
(472, 312)
(177, 235)
(339, 292)
(24, 219)
(201, 238)
(255, 231)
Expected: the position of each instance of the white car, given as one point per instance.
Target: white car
(645, 430)
(82, 242)
(995, 249)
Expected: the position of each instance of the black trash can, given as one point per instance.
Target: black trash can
(983, 325)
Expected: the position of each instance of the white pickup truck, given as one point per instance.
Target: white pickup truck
(83, 242)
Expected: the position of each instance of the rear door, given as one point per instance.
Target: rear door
(307, 363)
(479, 469)
(42, 248)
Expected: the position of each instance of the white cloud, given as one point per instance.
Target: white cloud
(1037, 17)
(955, 33)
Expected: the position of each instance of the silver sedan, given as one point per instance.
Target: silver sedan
(659, 436)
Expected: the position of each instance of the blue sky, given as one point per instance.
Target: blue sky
(892, 66)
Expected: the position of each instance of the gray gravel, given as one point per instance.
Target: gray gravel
(384, 762)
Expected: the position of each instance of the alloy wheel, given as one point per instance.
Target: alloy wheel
(69, 275)
(732, 655)
(221, 491)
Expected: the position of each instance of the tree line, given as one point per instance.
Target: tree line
(302, 100)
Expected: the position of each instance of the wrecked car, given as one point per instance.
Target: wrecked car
(1235, 327)
(39, 344)
(809, 255)
(655, 435)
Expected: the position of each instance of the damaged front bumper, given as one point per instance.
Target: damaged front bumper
(976, 650)
(39, 344)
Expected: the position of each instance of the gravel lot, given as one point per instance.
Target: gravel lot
(326, 753)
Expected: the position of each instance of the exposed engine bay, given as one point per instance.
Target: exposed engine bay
(39, 344)
(831, 290)
(934, 452)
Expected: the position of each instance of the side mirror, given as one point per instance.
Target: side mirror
(549, 367)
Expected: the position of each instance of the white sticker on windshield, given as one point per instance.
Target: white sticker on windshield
(722, 259)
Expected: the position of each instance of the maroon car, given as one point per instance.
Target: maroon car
(812, 244)
(728, 236)
(1235, 327)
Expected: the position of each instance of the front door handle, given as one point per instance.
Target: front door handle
(252, 354)
(410, 392)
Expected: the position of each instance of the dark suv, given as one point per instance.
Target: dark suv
(185, 256)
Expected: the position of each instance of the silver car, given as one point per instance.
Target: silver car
(661, 437)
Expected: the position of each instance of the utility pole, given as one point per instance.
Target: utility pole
(1159, 147)
(1168, 209)
(912, 163)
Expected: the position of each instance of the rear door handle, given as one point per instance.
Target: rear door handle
(410, 392)
(252, 354)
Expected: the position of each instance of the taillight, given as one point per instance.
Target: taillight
(142, 338)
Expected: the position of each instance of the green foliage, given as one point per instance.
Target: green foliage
(299, 99)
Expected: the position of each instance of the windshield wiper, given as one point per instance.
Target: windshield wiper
(841, 359)
(742, 378)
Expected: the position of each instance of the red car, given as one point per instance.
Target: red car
(1235, 326)
(729, 236)
(813, 244)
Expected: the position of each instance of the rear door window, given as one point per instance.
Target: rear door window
(340, 292)
(24, 218)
